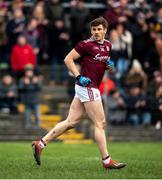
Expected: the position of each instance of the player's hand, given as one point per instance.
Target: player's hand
(83, 81)
(110, 65)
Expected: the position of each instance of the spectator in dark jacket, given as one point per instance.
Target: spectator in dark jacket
(116, 108)
(3, 41)
(138, 112)
(59, 42)
(8, 95)
(30, 87)
(158, 106)
(15, 27)
(79, 16)
(154, 84)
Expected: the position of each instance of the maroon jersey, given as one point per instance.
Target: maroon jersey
(93, 59)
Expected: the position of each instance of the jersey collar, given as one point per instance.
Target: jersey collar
(97, 41)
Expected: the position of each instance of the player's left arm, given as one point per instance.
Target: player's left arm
(109, 63)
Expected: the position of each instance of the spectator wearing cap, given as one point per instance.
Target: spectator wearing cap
(22, 54)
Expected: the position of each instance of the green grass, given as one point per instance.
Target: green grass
(60, 161)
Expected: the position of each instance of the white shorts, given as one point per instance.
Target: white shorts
(86, 94)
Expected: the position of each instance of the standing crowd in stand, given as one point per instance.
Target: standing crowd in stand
(42, 34)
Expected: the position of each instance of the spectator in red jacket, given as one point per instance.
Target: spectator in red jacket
(22, 55)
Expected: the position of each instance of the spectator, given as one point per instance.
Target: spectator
(3, 41)
(32, 35)
(19, 4)
(56, 9)
(121, 52)
(106, 85)
(116, 108)
(136, 103)
(115, 40)
(151, 57)
(30, 87)
(153, 87)
(15, 27)
(154, 83)
(41, 15)
(59, 43)
(22, 54)
(158, 105)
(125, 54)
(158, 44)
(141, 38)
(79, 16)
(3, 8)
(115, 15)
(137, 77)
(8, 95)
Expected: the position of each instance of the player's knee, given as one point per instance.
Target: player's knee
(71, 124)
(101, 124)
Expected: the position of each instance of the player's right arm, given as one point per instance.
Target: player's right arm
(69, 61)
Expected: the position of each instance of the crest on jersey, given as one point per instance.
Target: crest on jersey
(102, 49)
(107, 48)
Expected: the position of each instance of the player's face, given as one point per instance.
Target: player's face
(98, 32)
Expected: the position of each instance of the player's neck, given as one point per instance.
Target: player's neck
(99, 42)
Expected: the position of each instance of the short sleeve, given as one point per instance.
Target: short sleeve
(81, 48)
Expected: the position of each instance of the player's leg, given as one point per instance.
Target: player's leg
(76, 111)
(95, 112)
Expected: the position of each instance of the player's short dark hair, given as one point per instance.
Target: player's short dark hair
(98, 21)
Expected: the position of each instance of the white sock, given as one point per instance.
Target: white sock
(106, 161)
(41, 144)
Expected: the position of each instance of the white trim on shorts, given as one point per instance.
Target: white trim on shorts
(86, 94)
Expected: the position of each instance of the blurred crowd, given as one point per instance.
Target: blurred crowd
(34, 33)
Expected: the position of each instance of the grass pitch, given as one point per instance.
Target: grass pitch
(64, 161)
